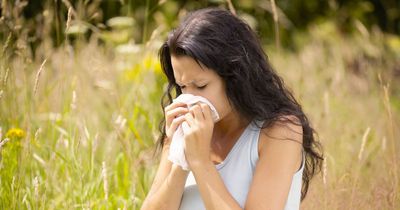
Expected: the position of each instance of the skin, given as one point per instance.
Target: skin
(208, 143)
(204, 82)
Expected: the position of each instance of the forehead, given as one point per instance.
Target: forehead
(187, 69)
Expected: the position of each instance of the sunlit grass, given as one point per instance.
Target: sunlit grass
(88, 117)
(88, 120)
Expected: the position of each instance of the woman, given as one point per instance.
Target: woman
(261, 154)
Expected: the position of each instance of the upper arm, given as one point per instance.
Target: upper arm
(278, 161)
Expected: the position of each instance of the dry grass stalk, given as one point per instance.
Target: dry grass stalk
(6, 77)
(39, 159)
(69, 6)
(358, 170)
(364, 140)
(393, 144)
(105, 182)
(324, 175)
(68, 24)
(231, 8)
(2, 143)
(36, 187)
(275, 16)
(4, 5)
(73, 103)
(38, 131)
(37, 77)
(7, 43)
(384, 143)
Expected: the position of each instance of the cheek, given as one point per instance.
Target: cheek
(221, 104)
(223, 108)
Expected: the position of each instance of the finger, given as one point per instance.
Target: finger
(185, 127)
(197, 113)
(207, 112)
(172, 114)
(175, 124)
(174, 105)
(178, 111)
(189, 119)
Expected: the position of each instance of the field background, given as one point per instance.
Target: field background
(80, 90)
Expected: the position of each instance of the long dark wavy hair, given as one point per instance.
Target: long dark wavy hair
(225, 44)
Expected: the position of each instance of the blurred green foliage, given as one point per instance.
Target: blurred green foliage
(33, 21)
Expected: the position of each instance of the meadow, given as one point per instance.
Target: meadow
(78, 123)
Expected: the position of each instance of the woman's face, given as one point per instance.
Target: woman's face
(199, 81)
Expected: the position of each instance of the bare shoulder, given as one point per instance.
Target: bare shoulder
(279, 158)
(283, 138)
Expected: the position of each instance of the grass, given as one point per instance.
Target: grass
(85, 120)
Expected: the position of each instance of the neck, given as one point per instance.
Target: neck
(228, 126)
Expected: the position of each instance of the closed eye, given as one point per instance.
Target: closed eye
(202, 87)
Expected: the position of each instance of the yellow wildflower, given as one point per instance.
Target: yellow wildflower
(15, 133)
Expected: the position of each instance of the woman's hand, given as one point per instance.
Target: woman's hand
(198, 128)
(173, 118)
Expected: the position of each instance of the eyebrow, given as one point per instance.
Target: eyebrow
(193, 81)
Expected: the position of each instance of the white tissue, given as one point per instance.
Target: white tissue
(176, 150)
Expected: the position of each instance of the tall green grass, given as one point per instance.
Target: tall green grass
(89, 121)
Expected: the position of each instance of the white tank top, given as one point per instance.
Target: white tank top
(237, 173)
